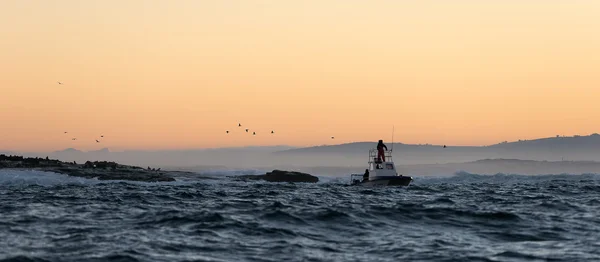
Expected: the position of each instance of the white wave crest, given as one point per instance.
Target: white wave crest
(232, 172)
(10, 177)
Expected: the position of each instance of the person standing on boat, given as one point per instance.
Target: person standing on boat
(380, 152)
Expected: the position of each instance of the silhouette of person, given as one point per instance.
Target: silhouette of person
(366, 175)
(380, 152)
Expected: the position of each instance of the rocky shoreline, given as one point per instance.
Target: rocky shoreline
(101, 170)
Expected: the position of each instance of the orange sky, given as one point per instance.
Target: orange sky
(177, 74)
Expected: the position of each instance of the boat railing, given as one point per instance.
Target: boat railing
(374, 156)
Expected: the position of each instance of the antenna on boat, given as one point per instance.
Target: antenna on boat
(392, 139)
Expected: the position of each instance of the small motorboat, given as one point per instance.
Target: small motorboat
(380, 173)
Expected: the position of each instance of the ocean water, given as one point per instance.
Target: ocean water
(464, 217)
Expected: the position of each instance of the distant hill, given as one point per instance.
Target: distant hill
(576, 142)
(68, 151)
(364, 147)
(585, 143)
(580, 148)
(101, 151)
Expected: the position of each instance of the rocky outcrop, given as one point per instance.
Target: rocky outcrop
(283, 176)
(101, 170)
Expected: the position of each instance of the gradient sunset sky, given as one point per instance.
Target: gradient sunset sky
(177, 74)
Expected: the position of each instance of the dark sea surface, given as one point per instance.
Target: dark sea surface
(464, 217)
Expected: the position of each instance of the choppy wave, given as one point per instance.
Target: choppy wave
(14, 177)
(10, 177)
(467, 178)
(33, 177)
(466, 217)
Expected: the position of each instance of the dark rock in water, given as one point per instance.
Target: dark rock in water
(283, 176)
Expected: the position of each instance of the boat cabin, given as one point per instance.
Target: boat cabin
(378, 167)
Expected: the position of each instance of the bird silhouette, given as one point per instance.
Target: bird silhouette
(272, 132)
(246, 130)
(101, 136)
(253, 133)
(97, 141)
(65, 132)
(444, 146)
(239, 124)
(73, 139)
(227, 131)
(60, 83)
(332, 137)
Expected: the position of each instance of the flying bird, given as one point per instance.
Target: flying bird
(253, 133)
(73, 138)
(60, 83)
(97, 141)
(246, 130)
(272, 132)
(65, 132)
(227, 131)
(332, 137)
(101, 136)
(239, 124)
